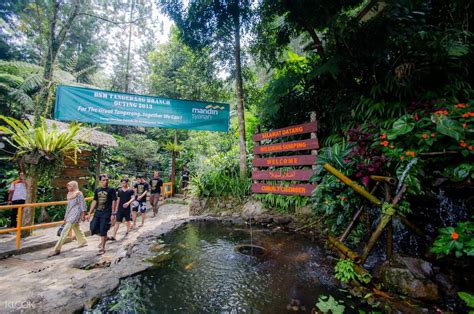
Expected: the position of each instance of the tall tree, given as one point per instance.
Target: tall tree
(218, 24)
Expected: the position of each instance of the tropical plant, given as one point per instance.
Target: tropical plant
(345, 272)
(459, 239)
(469, 299)
(41, 150)
(328, 304)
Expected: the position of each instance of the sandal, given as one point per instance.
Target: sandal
(54, 253)
(111, 239)
(83, 245)
(101, 252)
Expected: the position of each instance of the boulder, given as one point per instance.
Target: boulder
(421, 269)
(409, 276)
(252, 209)
(196, 206)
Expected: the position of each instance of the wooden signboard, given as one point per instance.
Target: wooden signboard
(300, 160)
(288, 131)
(287, 146)
(295, 189)
(75, 172)
(285, 161)
(299, 175)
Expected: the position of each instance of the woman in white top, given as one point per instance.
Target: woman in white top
(75, 212)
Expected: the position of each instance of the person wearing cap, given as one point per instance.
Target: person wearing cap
(125, 197)
(141, 189)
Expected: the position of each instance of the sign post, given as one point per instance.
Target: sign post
(273, 162)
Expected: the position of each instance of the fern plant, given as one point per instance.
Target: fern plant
(42, 150)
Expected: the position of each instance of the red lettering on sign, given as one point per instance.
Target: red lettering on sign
(296, 189)
(288, 131)
(287, 146)
(297, 175)
(300, 160)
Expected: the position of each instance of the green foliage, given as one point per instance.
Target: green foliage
(459, 239)
(468, 298)
(330, 305)
(282, 203)
(344, 270)
(41, 148)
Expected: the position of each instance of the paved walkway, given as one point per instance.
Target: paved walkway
(34, 283)
(46, 237)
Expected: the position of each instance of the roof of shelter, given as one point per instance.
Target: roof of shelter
(88, 135)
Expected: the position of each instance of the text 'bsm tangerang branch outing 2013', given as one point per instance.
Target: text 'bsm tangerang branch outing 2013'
(108, 107)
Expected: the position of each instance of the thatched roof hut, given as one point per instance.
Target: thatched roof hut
(88, 135)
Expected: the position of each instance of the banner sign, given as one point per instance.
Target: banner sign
(299, 160)
(287, 146)
(298, 189)
(288, 131)
(108, 107)
(301, 175)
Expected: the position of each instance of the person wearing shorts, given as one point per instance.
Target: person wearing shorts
(141, 189)
(156, 184)
(104, 204)
(125, 197)
(185, 182)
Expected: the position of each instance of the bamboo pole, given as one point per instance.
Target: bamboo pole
(386, 218)
(411, 226)
(352, 184)
(389, 233)
(351, 226)
(389, 180)
(344, 249)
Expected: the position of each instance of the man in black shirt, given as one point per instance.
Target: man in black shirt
(185, 182)
(104, 199)
(156, 184)
(141, 189)
(125, 197)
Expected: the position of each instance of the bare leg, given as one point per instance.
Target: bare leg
(116, 227)
(143, 219)
(134, 218)
(102, 245)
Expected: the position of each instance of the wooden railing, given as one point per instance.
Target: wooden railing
(167, 191)
(19, 228)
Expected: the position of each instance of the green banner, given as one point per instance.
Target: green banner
(101, 106)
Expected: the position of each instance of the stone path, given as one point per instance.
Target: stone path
(34, 283)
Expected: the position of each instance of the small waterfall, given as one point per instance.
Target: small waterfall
(404, 174)
(451, 211)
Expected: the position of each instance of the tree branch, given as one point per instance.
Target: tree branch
(107, 20)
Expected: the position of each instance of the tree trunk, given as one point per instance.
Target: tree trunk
(29, 213)
(127, 72)
(240, 98)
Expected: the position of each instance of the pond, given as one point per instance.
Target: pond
(206, 274)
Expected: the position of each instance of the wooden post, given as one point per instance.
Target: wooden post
(256, 143)
(19, 217)
(97, 165)
(389, 234)
(313, 136)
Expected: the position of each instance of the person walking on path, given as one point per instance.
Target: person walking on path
(141, 189)
(105, 201)
(125, 197)
(75, 212)
(185, 182)
(16, 195)
(156, 184)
